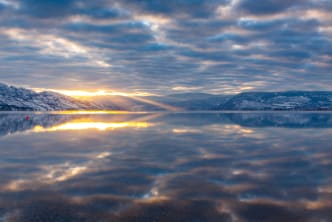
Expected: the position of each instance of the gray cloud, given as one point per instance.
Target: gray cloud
(268, 6)
(178, 8)
(46, 8)
(213, 46)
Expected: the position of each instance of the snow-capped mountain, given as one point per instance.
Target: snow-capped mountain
(296, 100)
(13, 98)
(292, 100)
(194, 101)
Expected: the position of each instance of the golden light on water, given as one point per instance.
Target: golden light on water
(101, 126)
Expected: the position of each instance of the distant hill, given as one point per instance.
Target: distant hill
(195, 101)
(292, 100)
(297, 100)
(13, 98)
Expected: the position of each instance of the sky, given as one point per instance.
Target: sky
(164, 47)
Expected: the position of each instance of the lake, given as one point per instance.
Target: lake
(250, 166)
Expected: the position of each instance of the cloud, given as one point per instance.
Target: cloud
(219, 45)
(53, 45)
(268, 6)
(185, 88)
(46, 8)
(7, 3)
(178, 8)
(103, 13)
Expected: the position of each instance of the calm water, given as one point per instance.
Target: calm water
(166, 167)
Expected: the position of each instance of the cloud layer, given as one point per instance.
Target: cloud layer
(216, 46)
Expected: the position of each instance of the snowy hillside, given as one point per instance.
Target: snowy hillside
(295, 100)
(12, 98)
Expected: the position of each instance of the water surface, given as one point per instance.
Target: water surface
(166, 167)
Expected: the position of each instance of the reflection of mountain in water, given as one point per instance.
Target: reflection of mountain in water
(18, 122)
(11, 123)
(254, 119)
(296, 120)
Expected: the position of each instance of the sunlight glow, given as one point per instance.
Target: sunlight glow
(78, 93)
(155, 103)
(138, 96)
(81, 112)
(99, 92)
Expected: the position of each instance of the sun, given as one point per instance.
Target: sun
(93, 93)
(81, 93)
(138, 96)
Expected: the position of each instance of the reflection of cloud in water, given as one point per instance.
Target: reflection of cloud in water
(51, 174)
(154, 194)
(185, 130)
(232, 129)
(181, 169)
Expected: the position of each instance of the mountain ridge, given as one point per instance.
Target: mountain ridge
(288, 100)
(21, 99)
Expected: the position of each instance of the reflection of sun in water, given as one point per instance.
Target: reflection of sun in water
(101, 126)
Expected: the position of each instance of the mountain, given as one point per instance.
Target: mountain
(173, 102)
(292, 100)
(194, 101)
(12, 98)
(116, 102)
(20, 99)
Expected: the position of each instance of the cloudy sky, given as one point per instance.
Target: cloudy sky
(161, 47)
